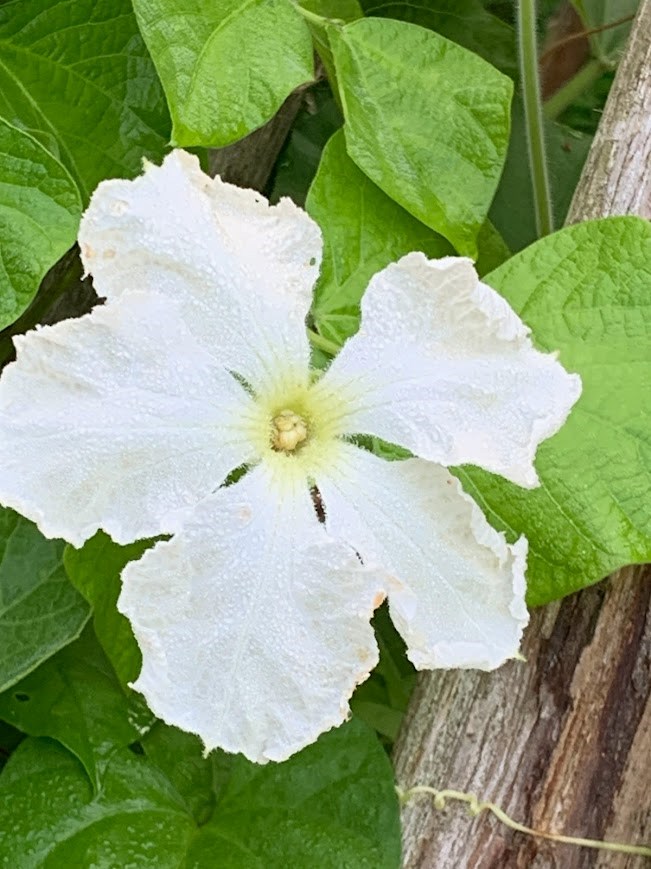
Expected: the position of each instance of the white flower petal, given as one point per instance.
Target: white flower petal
(117, 420)
(458, 588)
(243, 270)
(253, 624)
(443, 366)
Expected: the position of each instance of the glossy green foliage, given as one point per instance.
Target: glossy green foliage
(466, 22)
(332, 806)
(586, 292)
(40, 611)
(339, 11)
(422, 94)
(75, 74)
(426, 120)
(382, 700)
(364, 230)
(39, 214)
(74, 697)
(226, 66)
(50, 817)
(95, 571)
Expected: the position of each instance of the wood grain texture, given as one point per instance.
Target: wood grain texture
(617, 175)
(563, 742)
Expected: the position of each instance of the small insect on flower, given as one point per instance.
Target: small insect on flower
(253, 619)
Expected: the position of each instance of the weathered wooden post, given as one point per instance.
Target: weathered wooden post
(563, 742)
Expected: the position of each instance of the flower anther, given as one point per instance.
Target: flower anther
(288, 431)
(253, 618)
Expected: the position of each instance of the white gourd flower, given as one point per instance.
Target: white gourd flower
(253, 619)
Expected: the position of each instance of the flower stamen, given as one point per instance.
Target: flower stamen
(288, 431)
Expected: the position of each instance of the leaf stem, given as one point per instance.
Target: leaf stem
(530, 76)
(585, 34)
(323, 343)
(319, 20)
(476, 808)
(571, 90)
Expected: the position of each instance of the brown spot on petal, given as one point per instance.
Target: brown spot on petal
(118, 207)
(244, 513)
(87, 251)
(360, 678)
(377, 600)
(109, 253)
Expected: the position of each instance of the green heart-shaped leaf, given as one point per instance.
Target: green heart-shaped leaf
(39, 215)
(426, 120)
(40, 611)
(226, 66)
(77, 77)
(586, 292)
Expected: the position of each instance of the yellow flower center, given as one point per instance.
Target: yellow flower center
(288, 431)
(296, 427)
